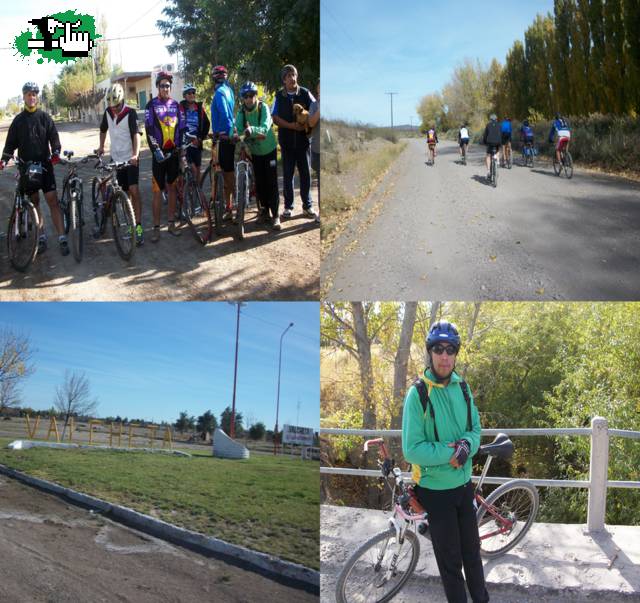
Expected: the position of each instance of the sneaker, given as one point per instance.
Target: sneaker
(276, 224)
(42, 244)
(155, 234)
(139, 235)
(263, 216)
(309, 213)
(489, 177)
(173, 229)
(228, 215)
(64, 247)
(286, 214)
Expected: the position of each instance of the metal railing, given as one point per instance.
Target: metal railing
(597, 483)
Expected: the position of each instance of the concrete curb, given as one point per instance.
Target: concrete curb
(26, 444)
(181, 536)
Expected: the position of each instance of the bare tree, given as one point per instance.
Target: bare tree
(401, 362)
(73, 397)
(15, 365)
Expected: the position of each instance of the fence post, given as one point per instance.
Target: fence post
(598, 474)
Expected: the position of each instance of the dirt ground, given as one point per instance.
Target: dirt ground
(52, 551)
(265, 266)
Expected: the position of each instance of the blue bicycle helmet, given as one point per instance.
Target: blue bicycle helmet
(443, 331)
(247, 88)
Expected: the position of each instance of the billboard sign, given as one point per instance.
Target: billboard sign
(292, 434)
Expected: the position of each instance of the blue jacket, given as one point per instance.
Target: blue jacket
(506, 127)
(222, 110)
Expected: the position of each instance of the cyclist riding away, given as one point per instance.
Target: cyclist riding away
(432, 141)
(440, 435)
(223, 125)
(254, 121)
(526, 135)
(34, 134)
(463, 138)
(506, 131)
(164, 126)
(197, 124)
(492, 138)
(121, 121)
(560, 126)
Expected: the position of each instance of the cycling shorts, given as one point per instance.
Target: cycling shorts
(164, 173)
(431, 145)
(46, 183)
(226, 155)
(506, 137)
(464, 141)
(194, 156)
(492, 149)
(528, 140)
(128, 176)
(562, 143)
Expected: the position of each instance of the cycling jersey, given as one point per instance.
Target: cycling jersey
(259, 118)
(164, 123)
(196, 120)
(561, 127)
(505, 128)
(35, 136)
(527, 133)
(222, 110)
(464, 133)
(432, 137)
(123, 128)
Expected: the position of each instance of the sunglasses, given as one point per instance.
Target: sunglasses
(439, 349)
(164, 86)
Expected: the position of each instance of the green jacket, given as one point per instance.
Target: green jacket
(429, 458)
(259, 118)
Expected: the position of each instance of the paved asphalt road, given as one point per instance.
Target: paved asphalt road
(443, 233)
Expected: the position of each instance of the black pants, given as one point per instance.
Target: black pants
(292, 158)
(456, 543)
(266, 173)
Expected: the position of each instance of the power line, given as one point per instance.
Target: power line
(273, 324)
(136, 21)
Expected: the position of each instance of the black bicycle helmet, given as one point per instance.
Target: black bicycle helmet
(30, 87)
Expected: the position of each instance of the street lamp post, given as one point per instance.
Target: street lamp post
(275, 431)
(232, 429)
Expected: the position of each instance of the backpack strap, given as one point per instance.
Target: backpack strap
(465, 392)
(421, 388)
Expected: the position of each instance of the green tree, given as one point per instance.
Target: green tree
(225, 422)
(206, 424)
(185, 422)
(257, 431)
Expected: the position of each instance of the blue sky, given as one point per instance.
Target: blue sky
(369, 47)
(152, 360)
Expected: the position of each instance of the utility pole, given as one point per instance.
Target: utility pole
(391, 98)
(275, 431)
(232, 430)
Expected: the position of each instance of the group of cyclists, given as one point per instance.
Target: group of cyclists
(498, 135)
(170, 125)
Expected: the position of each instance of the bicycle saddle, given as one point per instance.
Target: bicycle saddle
(501, 447)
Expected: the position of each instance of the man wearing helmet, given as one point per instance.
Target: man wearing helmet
(294, 144)
(121, 122)
(197, 124)
(492, 138)
(164, 125)
(506, 132)
(34, 134)
(254, 121)
(440, 435)
(527, 136)
(561, 127)
(223, 126)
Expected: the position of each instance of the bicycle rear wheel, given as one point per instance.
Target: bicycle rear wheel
(494, 172)
(196, 211)
(218, 201)
(123, 223)
(75, 226)
(568, 165)
(507, 516)
(22, 235)
(242, 199)
(373, 574)
(65, 207)
(557, 167)
(97, 204)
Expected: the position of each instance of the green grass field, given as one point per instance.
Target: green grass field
(265, 503)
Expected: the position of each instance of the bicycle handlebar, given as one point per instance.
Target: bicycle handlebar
(380, 441)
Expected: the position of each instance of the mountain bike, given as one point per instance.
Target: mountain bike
(566, 162)
(493, 170)
(245, 183)
(110, 201)
(528, 153)
(24, 223)
(212, 185)
(192, 205)
(71, 204)
(379, 568)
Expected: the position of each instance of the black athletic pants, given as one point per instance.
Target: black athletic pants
(266, 173)
(456, 544)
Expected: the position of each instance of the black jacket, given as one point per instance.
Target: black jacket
(291, 139)
(492, 134)
(34, 135)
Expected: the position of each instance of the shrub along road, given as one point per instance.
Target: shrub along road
(443, 233)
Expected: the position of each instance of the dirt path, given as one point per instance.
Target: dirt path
(441, 233)
(265, 266)
(54, 551)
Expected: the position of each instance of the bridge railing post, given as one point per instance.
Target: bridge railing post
(598, 474)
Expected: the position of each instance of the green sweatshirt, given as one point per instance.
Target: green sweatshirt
(259, 118)
(430, 458)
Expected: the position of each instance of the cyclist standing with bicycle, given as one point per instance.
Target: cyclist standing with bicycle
(164, 126)
(440, 435)
(254, 121)
(197, 124)
(560, 126)
(492, 138)
(34, 134)
(223, 126)
(121, 121)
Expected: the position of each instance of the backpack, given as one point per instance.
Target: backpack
(423, 392)
(494, 135)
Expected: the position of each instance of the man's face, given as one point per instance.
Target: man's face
(249, 100)
(30, 99)
(291, 80)
(441, 362)
(164, 89)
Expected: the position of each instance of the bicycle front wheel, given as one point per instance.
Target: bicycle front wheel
(568, 165)
(123, 222)
(242, 199)
(509, 512)
(75, 226)
(218, 201)
(97, 204)
(378, 569)
(557, 167)
(65, 207)
(494, 173)
(22, 235)
(196, 211)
